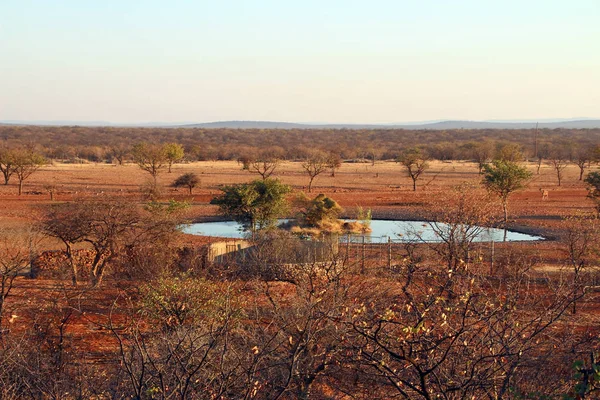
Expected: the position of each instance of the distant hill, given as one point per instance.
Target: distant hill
(437, 125)
(568, 124)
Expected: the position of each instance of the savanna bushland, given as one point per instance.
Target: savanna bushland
(102, 295)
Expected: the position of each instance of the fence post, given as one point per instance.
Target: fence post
(389, 252)
(362, 268)
(492, 259)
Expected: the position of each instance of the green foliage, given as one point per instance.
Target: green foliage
(318, 210)
(173, 153)
(504, 177)
(172, 207)
(256, 205)
(593, 181)
(189, 180)
(183, 300)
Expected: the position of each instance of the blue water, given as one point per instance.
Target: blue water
(381, 232)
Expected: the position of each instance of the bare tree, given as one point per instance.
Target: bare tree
(120, 152)
(459, 218)
(314, 165)
(110, 228)
(195, 346)
(7, 166)
(583, 159)
(581, 247)
(152, 158)
(452, 336)
(334, 161)
(264, 166)
(559, 158)
(416, 162)
(18, 248)
(25, 163)
(483, 153)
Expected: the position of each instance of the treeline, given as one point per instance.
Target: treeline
(98, 144)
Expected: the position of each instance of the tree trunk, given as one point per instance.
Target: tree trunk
(581, 170)
(310, 184)
(72, 264)
(414, 185)
(20, 186)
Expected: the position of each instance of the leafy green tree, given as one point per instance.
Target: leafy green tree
(256, 205)
(189, 180)
(173, 153)
(315, 164)
(502, 178)
(416, 162)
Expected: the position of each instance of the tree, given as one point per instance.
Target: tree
(416, 162)
(483, 153)
(559, 161)
(504, 178)
(26, 162)
(458, 217)
(173, 153)
(334, 161)
(593, 182)
(314, 165)
(543, 153)
(119, 152)
(17, 251)
(189, 180)
(256, 205)
(113, 229)
(194, 346)
(509, 152)
(264, 166)
(581, 247)
(6, 163)
(583, 159)
(453, 336)
(152, 158)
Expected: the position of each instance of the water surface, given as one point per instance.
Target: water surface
(381, 232)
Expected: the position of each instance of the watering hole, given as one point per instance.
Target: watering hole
(382, 231)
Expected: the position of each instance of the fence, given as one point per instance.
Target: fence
(368, 251)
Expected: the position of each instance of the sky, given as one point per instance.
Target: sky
(136, 61)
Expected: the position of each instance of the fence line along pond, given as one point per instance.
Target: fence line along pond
(382, 231)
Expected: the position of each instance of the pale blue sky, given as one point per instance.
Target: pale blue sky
(304, 61)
